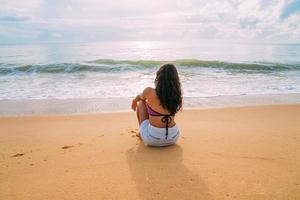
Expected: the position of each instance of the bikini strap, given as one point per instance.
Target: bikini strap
(153, 112)
(166, 119)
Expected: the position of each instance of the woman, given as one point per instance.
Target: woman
(156, 108)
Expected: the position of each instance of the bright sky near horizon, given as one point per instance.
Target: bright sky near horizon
(99, 20)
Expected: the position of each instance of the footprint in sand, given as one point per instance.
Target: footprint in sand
(71, 146)
(18, 155)
(22, 154)
(67, 147)
(133, 132)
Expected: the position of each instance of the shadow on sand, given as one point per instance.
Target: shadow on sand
(160, 174)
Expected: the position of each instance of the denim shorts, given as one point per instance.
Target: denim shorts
(154, 136)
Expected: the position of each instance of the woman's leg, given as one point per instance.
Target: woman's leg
(141, 112)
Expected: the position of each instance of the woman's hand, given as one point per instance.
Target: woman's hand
(134, 104)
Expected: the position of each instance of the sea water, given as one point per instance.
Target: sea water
(112, 70)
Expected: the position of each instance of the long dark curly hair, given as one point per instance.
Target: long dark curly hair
(168, 88)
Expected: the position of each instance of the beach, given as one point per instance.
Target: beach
(72, 72)
(67, 131)
(249, 152)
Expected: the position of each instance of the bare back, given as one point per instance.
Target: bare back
(153, 101)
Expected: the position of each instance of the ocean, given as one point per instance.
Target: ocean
(115, 71)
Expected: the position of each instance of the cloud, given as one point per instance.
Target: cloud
(96, 20)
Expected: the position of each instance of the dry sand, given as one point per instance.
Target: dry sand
(230, 153)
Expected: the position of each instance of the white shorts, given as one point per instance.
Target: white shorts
(154, 136)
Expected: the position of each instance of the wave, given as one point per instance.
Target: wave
(109, 65)
(203, 63)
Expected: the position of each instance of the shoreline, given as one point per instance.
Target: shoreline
(14, 108)
(246, 153)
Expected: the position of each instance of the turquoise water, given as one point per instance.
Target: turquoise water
(122, 69)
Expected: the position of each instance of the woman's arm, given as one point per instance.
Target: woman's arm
(134, 102)
(140, 97)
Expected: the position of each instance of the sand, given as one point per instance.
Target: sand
(228, 153)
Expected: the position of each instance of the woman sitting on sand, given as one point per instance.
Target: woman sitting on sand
(156, 108)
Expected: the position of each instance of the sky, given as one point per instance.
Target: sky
(148, 20)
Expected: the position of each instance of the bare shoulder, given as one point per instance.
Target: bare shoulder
(149, 92)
